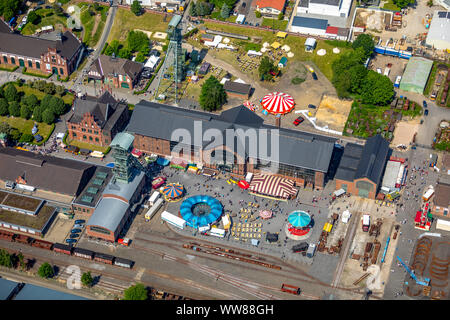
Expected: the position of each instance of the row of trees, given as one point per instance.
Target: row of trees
(351, 78)
(9, 8)
(137, 41)
(12, 103)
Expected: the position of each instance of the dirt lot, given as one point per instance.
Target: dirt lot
(59, 230)
(333, 112)
(404, 133)
(397, 69)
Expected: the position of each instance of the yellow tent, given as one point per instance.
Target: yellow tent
(281, 34)
(327, 227)
(275, 45)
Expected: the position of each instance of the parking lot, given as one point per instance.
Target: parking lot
(381, 61)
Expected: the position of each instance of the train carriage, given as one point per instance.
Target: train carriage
(121, 262)
(62, 248)
(42, 244)
(83, 253)
(105, 258)
(23, 239)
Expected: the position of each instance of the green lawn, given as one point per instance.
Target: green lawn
(83, 145)
(275, 24)
(297, 45)
(391, 6)
(125, 21)
(54, 20)
(25, 126)
(88, 22)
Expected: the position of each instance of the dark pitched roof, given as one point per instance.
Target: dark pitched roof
(237, 87)
(34, 47)
(4, 27)
(364, 162)
(296, 148)
(105, 109)
(44, 172)
(109, 66)
(312, 23)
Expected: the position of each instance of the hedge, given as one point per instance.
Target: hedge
(9, 69)
(24, 71)
(48, 137)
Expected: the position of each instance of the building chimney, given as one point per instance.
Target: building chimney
(278, 122)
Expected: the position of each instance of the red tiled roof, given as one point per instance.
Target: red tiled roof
(332, 30)
(276, 4)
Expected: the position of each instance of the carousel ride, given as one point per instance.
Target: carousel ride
(299, 225)
(201, 210)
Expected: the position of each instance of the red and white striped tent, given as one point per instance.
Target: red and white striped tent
(249, 105)
(278, 103)
(273, 186)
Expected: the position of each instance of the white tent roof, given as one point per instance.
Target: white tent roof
(310, 42)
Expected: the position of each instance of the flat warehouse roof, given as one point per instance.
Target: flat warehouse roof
(36, 222)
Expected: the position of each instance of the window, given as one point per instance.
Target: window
(84, 137)
(61, 71)
(38, 65)
(83, 129)
(90, 138)
(5, 59)
(96, 132)
(74, 134)
(13, 61)
(89, 130)
(99, 230)
(96, 140)
(30, 63)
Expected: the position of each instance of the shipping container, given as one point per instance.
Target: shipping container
(173, 220)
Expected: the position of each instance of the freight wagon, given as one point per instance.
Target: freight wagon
(23, 239)
(83, 253)
(105, 258)
(6, 235)
(42, 244)
(123, 263)
(62, 248)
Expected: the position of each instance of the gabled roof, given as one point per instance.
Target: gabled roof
(109, 66)
(45, 172)
(276, 4)
(34, 47)
(237, 87)
(4, 27)
(103, 109)
(301, 149)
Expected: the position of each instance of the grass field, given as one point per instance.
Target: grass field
(67, 98)
(25, 126)
(391, 6)
(83, 145)
(275, 24)
(125, 21)
(54, 20)
(89, 22)
(297, 45)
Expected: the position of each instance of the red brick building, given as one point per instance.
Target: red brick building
(115, 72)
(361, 168)
(97, 120)
(56, 52)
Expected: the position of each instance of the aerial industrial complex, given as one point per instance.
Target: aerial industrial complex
(224, 150)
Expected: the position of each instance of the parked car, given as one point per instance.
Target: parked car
(78, 226)
(80, 221)
(425, 105)
(311, 106)
(379, 70)
(298, 121)
(71, 240)
(426, 112)
(314, 75)
(74, 235)
(75, 231)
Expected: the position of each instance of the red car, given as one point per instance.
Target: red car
(298, 121)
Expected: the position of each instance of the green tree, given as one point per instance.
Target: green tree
(31, 101)
(430, 3)
(377, 89)
(403, 3)
(9, 8)
(265, 67)
(125, 53)
(357, 74)
(14, 109)
(48, 116)
(6, 259)
(5, 128)
(4, 107)
(26, 137)
(258, 14)
(21, 261)
(15, 134)
(60, 90)
(46, 271)
(33, 17)
(136, 8)
(114, 47)
(25, 111)
(57, 105)
(280, 16)
(45, 102)
(11, 93)
(140, 57)
(136, 292)
(364, 41)
(37, 114)
(86, 279)
(136, 39)
(50, 88)
(212, 95)
(225, 11)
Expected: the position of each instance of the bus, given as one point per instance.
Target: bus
(397, 81)
(217, 232)
(173, 220)
(153, 209)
